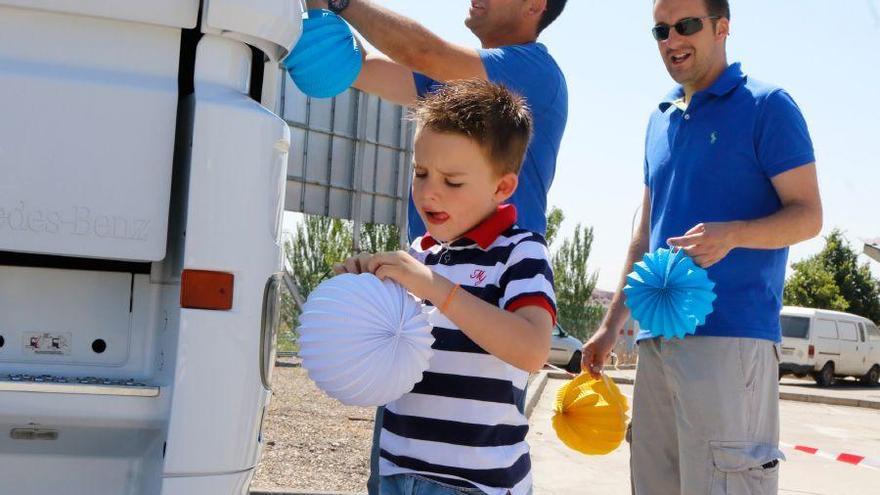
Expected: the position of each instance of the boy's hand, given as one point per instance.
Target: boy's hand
(410, 273)
(356, 264)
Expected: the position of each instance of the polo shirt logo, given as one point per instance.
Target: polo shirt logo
(713, 138)
(479, 276)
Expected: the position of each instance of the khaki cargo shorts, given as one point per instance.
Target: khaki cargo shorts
(706, 417)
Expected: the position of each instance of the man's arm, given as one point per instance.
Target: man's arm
(389, 80)
(598, 348)
(409, 44)
(799, 219)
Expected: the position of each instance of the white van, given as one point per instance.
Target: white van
(829, 344)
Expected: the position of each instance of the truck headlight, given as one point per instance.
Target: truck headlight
(269, 328)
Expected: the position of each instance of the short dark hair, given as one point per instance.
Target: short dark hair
(718, 8)
(488, 113)
(554, 8)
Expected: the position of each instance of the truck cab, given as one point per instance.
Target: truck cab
(142, 187)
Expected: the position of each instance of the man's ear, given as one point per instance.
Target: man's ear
(505, 187)
(723, 29)
(537, 7)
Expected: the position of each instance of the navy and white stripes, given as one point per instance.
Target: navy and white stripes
(464, 422)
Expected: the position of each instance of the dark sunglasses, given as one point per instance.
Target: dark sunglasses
(684, 27)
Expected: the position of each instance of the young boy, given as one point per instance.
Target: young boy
(462, 428)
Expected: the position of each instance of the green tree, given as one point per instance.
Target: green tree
(317, 244)
(574, 284)
(554, 221)
(854, 283)
(812, 286)
(376, 238)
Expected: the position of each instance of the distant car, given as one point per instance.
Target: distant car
(829, 344)
(565, 350)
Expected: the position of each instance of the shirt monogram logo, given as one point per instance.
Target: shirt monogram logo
(479, 276)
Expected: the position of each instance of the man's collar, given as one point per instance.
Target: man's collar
(487, 231)
(677, 93)
(729, 80)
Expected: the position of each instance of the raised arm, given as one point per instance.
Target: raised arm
(389, 80)
(409, 44)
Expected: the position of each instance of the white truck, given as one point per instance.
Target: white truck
(142, 183)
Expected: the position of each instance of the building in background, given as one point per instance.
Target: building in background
(872, 248)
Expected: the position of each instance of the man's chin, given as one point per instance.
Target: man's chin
(473, 23)
(680, 77)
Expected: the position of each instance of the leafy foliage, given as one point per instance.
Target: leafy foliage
(577, 312)
(833, 279)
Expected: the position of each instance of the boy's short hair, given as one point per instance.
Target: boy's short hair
(488, 113)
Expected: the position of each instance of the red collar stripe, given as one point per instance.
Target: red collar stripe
(485, 233)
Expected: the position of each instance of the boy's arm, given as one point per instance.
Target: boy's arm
(518, 335)
(520, 338)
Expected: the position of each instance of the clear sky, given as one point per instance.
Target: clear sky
(825, 53)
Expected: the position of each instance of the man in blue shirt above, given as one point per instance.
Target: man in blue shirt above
(730, 178)
(414, 60)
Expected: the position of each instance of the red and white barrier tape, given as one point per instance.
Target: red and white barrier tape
(556, 368)
(855, 460)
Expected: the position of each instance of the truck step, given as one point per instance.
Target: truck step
(76, 385)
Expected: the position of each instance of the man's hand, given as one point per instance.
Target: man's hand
(708, 243)
(597, 350)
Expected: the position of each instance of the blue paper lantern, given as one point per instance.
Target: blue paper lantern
(668, 294)
(326, 60)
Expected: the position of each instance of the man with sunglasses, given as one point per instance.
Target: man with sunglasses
(730, 178)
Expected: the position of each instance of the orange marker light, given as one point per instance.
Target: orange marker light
(201, 289)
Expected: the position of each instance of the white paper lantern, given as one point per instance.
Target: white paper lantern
(363, 341)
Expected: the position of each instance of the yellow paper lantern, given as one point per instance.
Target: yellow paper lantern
(591, 415)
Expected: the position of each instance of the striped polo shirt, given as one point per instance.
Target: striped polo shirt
(464, 423)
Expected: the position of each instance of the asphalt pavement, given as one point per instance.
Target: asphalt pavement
(828, 428)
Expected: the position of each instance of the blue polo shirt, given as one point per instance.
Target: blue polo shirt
(713, 162)
(530, 71)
